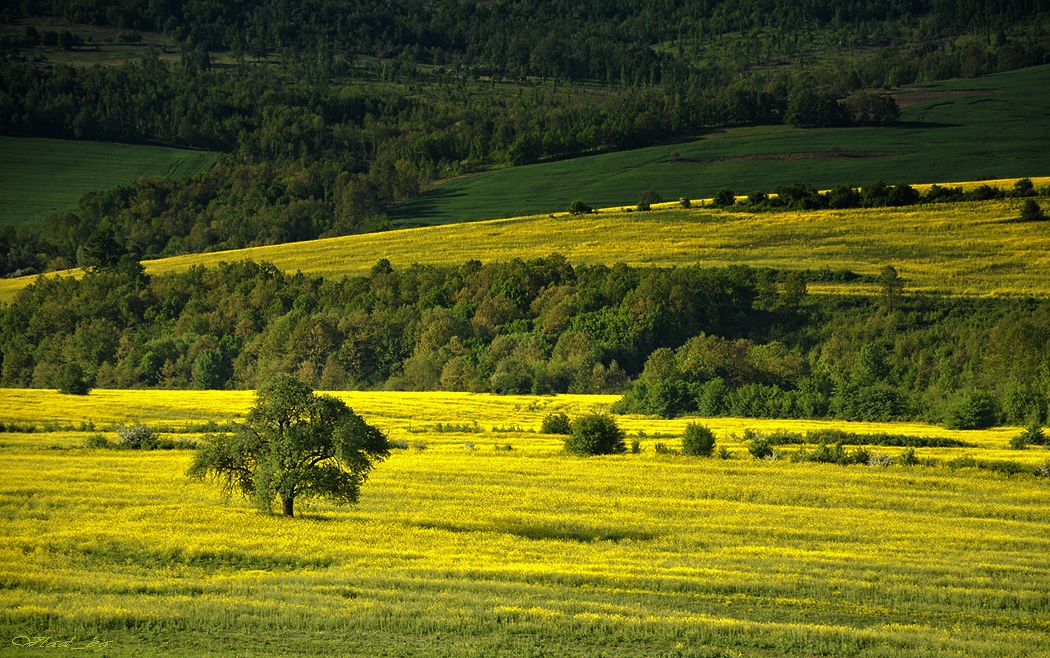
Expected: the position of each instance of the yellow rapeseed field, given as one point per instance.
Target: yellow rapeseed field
(462, 547)
(962, 248)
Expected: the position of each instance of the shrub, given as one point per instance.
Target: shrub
(760, 448)
(647, 198)
(1034, 435)
(698, 441)
(636, 447)
(71, 380)
(1031, 212)
(662, 449)
(578, 207)
(962, 462)
(880, 459)
(908, 458)
(1019, 442)
(1024, 187)
(556, 423)
(1003, 467)
(724, 198)
(1043, 470)
(724, 453)
(685, 202)
(595, 434)
(136, 436)
(976, 410)
(97, 441)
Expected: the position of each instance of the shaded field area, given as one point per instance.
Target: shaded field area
(481, 537)
(42, 176)
(991, 127)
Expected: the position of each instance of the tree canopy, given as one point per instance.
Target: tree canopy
(295, 444)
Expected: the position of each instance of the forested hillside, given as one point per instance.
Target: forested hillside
(734, 341)
(330, 112)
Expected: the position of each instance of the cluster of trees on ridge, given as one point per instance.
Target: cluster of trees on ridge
(363, 104)
(734, 341)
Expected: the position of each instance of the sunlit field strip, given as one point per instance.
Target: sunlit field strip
(482, 552)
(963, 248)
(404, 415)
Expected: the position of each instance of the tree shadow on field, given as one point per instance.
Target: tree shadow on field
(426, 209)
(577, 535)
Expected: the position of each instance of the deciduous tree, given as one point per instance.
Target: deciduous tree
(295, 444)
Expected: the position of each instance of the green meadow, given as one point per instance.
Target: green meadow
(960, 130)
(42, 176)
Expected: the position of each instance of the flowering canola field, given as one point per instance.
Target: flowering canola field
(970, 248)
(461, 547)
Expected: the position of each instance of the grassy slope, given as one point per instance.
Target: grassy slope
(1000, 127)
(965, 248)
(41, 176)
(456, 552)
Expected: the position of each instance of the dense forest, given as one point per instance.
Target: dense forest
(329, 112)
(734, 341)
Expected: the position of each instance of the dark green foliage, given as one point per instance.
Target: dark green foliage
(678, 341)
(578, 207)
(834, 454)
(1031, 212)
(294, 444)
(71, 380)
(698, 440)
(556, 423)
(647, 198)
(595, 434)
(973, 410)
(136, 436)
(1031, 435)
(97, 441)
(760, 447)
(723, 198)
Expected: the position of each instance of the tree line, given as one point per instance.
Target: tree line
(735, 341)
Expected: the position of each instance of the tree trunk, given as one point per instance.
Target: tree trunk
(289, 506)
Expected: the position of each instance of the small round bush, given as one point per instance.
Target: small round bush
(578, 207)
(595, 434)
(556, 423)
(698, 441)
(136, 436)
(760, 448)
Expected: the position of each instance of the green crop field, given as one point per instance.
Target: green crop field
(42, 176)
(481, 537)
(990, 127)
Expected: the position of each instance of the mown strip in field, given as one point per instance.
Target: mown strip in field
(464, 550)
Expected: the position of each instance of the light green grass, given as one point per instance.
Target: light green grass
(1000, 127)
(42, 176)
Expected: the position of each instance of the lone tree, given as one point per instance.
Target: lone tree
(294, 444)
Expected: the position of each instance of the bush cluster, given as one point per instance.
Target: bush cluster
(803, 196)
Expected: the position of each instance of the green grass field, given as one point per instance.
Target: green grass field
(42, 176)
(996, 126)
(461, 547)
